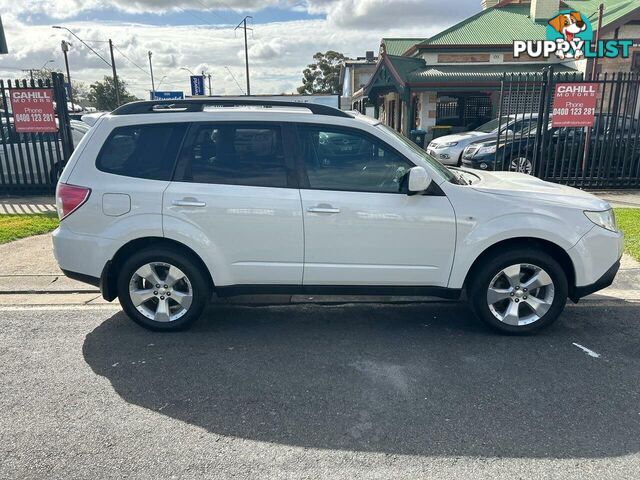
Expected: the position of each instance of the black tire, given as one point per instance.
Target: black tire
(488, 269)
(200, 287)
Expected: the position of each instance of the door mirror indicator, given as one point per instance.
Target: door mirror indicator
(419, 180)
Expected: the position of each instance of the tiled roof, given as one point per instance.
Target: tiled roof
(494, 26)
(613, 9)
(397, 46)
(502, 25)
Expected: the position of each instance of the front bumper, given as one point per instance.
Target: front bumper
(596, 260)
(446, 156)
(603, 282)
(478, 163)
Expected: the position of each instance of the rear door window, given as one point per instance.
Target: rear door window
(142, 151)
(234, 154)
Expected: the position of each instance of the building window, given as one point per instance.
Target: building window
(391, 119)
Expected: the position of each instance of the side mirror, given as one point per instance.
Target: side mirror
(419, 180)
(509, 133)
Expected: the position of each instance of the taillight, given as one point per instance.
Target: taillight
(69, 198)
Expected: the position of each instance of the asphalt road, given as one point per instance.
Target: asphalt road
(317, 391)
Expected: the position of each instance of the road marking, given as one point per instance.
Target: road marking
(591, 353)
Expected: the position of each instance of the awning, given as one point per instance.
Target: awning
(399, 73)
(476, 74)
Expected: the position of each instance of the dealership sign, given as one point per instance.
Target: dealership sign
(33, 110)
(197, 85)
(574, 104)
(167, 95)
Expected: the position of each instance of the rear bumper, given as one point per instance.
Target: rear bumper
(603, 282)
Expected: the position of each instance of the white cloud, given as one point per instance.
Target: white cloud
(278, 51)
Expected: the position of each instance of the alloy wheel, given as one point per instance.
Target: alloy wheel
(520, 294)
(160, 291)
(522, 165)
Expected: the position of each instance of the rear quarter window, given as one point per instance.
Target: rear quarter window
(142, 151)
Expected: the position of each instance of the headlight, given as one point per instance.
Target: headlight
(491, 149)
(605, 219)
(448, 144)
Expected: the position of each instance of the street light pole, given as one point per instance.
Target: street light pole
(209, 75)
(115, 75)
(65, 48)
(246, 51)
(153, 87)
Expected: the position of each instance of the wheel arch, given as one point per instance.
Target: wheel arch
(109, 276)
(553, 249)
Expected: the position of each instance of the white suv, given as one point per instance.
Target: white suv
(164, 203)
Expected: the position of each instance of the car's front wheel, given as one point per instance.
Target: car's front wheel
(162, 290)
(518, 291)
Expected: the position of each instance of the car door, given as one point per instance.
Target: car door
(359, 228)
(235, 194)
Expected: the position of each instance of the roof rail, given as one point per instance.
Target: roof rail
(198, 104)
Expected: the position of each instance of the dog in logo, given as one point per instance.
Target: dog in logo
(568, 25)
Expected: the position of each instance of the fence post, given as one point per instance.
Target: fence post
(549, 86)
(64, 124)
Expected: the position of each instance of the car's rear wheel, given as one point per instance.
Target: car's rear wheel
(518, 291)
(162, 290)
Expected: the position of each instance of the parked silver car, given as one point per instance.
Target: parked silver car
(448, 149)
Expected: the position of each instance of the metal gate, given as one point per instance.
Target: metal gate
(30, 163)
(606, 155)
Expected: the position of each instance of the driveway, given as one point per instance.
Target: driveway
(319, 391)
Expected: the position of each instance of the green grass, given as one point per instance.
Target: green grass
(628, 220)
(14, 227)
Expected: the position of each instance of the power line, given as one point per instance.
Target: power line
(234, 79)
(134, 63)
(212, 11)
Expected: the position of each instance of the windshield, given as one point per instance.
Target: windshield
(435, 164)
(492, 125)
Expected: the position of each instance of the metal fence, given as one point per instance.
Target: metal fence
(606, 155)
(30, 163)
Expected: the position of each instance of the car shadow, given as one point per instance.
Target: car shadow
(423, 379)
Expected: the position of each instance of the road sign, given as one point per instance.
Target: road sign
(574, 104)
(197, 85)
(33, 110)
(174, 95)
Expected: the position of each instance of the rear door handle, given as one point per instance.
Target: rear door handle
(323, 209)
(188, 202)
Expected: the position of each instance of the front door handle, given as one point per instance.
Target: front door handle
(188, 202)
(323, 209)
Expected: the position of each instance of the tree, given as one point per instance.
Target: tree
(323, 76)
(103, 95)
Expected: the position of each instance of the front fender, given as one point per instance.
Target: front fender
(476, 235)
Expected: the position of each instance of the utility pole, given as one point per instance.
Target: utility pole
(592, 76)
(209, 75)
(204, 76)
(115, 75)
(153, 86)
(246, 50)
(65, 48)
(595, 59)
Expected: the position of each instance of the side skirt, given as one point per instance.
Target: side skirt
(409, 291)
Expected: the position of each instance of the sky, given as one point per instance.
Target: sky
(199, 35)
